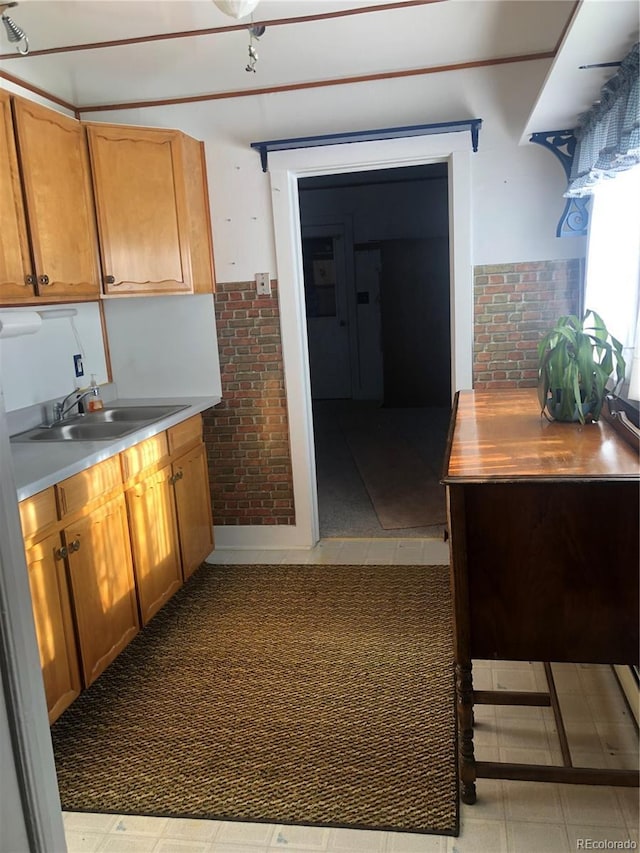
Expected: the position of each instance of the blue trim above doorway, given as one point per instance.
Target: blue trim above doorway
(263, 148)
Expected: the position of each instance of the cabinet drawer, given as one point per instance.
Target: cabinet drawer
(143, 455)
(97, 481)
(187, 432)
(38, 512)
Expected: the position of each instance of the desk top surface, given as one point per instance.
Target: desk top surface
(500, 435)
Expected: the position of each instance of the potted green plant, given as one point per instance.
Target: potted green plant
(575, 361)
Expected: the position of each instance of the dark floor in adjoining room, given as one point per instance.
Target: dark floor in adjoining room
(344, 505)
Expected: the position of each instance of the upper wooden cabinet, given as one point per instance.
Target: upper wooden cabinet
(151, 204)
(54, 165)
(199, 215)
(16, 280)
(152, 210)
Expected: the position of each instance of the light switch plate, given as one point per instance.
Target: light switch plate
(263, 284)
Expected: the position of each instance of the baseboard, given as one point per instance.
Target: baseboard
(261, 537)
(283, 537)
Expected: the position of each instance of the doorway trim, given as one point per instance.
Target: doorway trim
(286, 167)
(29, 786)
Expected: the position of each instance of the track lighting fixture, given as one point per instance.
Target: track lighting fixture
(14, 34)
(254, 34)
(240, 9)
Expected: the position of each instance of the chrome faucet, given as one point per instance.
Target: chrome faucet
(61, 410)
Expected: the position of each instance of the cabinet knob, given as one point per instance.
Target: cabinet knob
(75, 545)
(29, 279)
(61, 553)
(43, 279)
(109, 279)
(179, 475)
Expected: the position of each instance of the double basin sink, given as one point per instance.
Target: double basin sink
(109, 423)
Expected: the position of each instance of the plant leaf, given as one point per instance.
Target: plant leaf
(576, 358)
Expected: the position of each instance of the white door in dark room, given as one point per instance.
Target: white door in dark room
(327, 311)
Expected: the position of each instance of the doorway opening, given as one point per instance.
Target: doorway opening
(375, 263)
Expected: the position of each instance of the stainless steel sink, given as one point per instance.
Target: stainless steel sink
(146, 414)
(103, 425)
(78, 432)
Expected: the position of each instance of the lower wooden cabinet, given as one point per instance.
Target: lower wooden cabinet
(108, 547)
(193, 504)
(102, 585)
(54, 624)
(154, 541)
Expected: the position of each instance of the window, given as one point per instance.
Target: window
(613, 268)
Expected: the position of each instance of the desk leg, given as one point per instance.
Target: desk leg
(466, 760)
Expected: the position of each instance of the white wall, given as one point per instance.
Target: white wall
(517, 190)
(39, 367)
(163, 346)
(516, 204)
(516, 196)
(515, 212)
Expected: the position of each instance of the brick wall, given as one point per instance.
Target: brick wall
(514, 305)
(247, 435)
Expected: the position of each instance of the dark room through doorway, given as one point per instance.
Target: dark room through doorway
(375, 248)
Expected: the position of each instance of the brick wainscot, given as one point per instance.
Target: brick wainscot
(247, 434)
(515, 304)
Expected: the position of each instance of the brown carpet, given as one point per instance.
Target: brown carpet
(312, 694)
(404, 491)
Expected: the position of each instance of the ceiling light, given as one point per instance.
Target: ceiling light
(14, 33)
(236, 8)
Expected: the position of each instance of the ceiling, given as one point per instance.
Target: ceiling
(382, 37)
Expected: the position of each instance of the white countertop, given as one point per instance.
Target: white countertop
(39, 464)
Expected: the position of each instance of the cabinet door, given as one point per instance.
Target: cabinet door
(154, 539)
(15, 261)
(59, 202)
(102, 584)
(200, 241)
(54, 625)
(193, 503)
(138, 179)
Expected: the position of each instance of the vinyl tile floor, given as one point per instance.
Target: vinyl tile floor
(509, 817)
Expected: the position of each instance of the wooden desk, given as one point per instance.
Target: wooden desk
(543, 521)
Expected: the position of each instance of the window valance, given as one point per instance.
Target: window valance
(608, 135)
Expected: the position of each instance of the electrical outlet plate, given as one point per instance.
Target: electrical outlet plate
(263, 284)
